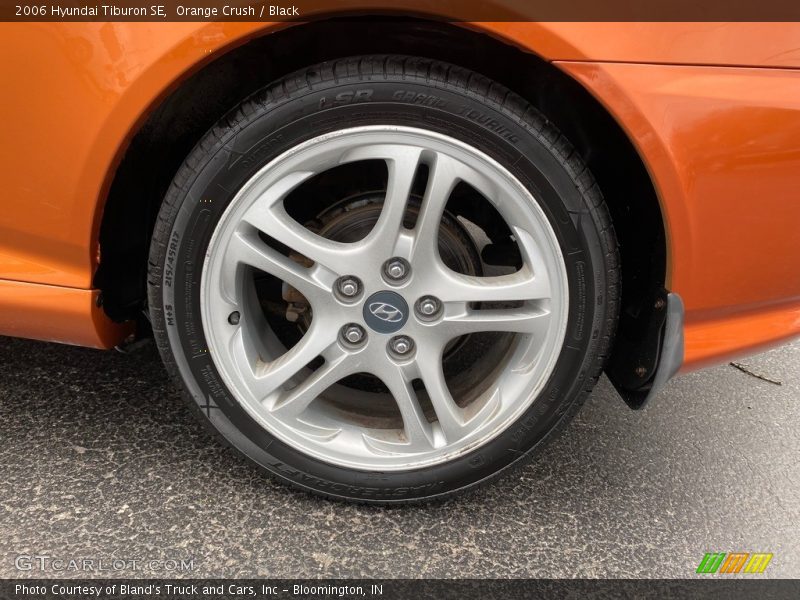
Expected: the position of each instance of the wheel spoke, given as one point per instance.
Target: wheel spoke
(267, 378)
(443, 176)
(245, 249)
(525, 319)
(448, 413)
(402, 163)
(269, 215)
(291, 403)
(523, 285)
(419, 432)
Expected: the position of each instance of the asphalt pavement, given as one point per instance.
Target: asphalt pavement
(101, 460)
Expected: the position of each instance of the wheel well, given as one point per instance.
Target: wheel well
(177, 124)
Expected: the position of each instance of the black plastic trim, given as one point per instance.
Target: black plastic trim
(644, 366)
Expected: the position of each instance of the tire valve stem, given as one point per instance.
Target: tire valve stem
(233, 318)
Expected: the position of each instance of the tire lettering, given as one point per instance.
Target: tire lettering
(580, 279)
(350, 97)
(489, 123)
(172, 253)
(418, 98)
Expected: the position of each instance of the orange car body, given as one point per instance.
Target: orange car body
(712, 108)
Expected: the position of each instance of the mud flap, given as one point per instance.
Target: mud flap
(648, 349)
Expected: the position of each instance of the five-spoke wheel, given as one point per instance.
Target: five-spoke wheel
(384, 278)
(385, 305)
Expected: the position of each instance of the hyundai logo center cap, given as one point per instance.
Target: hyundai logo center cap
(385, 312)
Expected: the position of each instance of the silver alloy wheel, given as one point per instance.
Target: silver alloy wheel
(277, 388)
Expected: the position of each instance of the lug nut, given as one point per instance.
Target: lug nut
(401, 345)
(428, 306)
(348, 287)
(233, 318)
(396, 269)
(353, 333)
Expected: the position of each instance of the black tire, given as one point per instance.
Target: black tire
(385, 90)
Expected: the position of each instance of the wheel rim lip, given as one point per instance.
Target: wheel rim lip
(401, 462)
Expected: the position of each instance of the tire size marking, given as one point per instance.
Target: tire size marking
(172, 254)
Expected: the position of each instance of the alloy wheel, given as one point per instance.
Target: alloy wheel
(385, 305)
